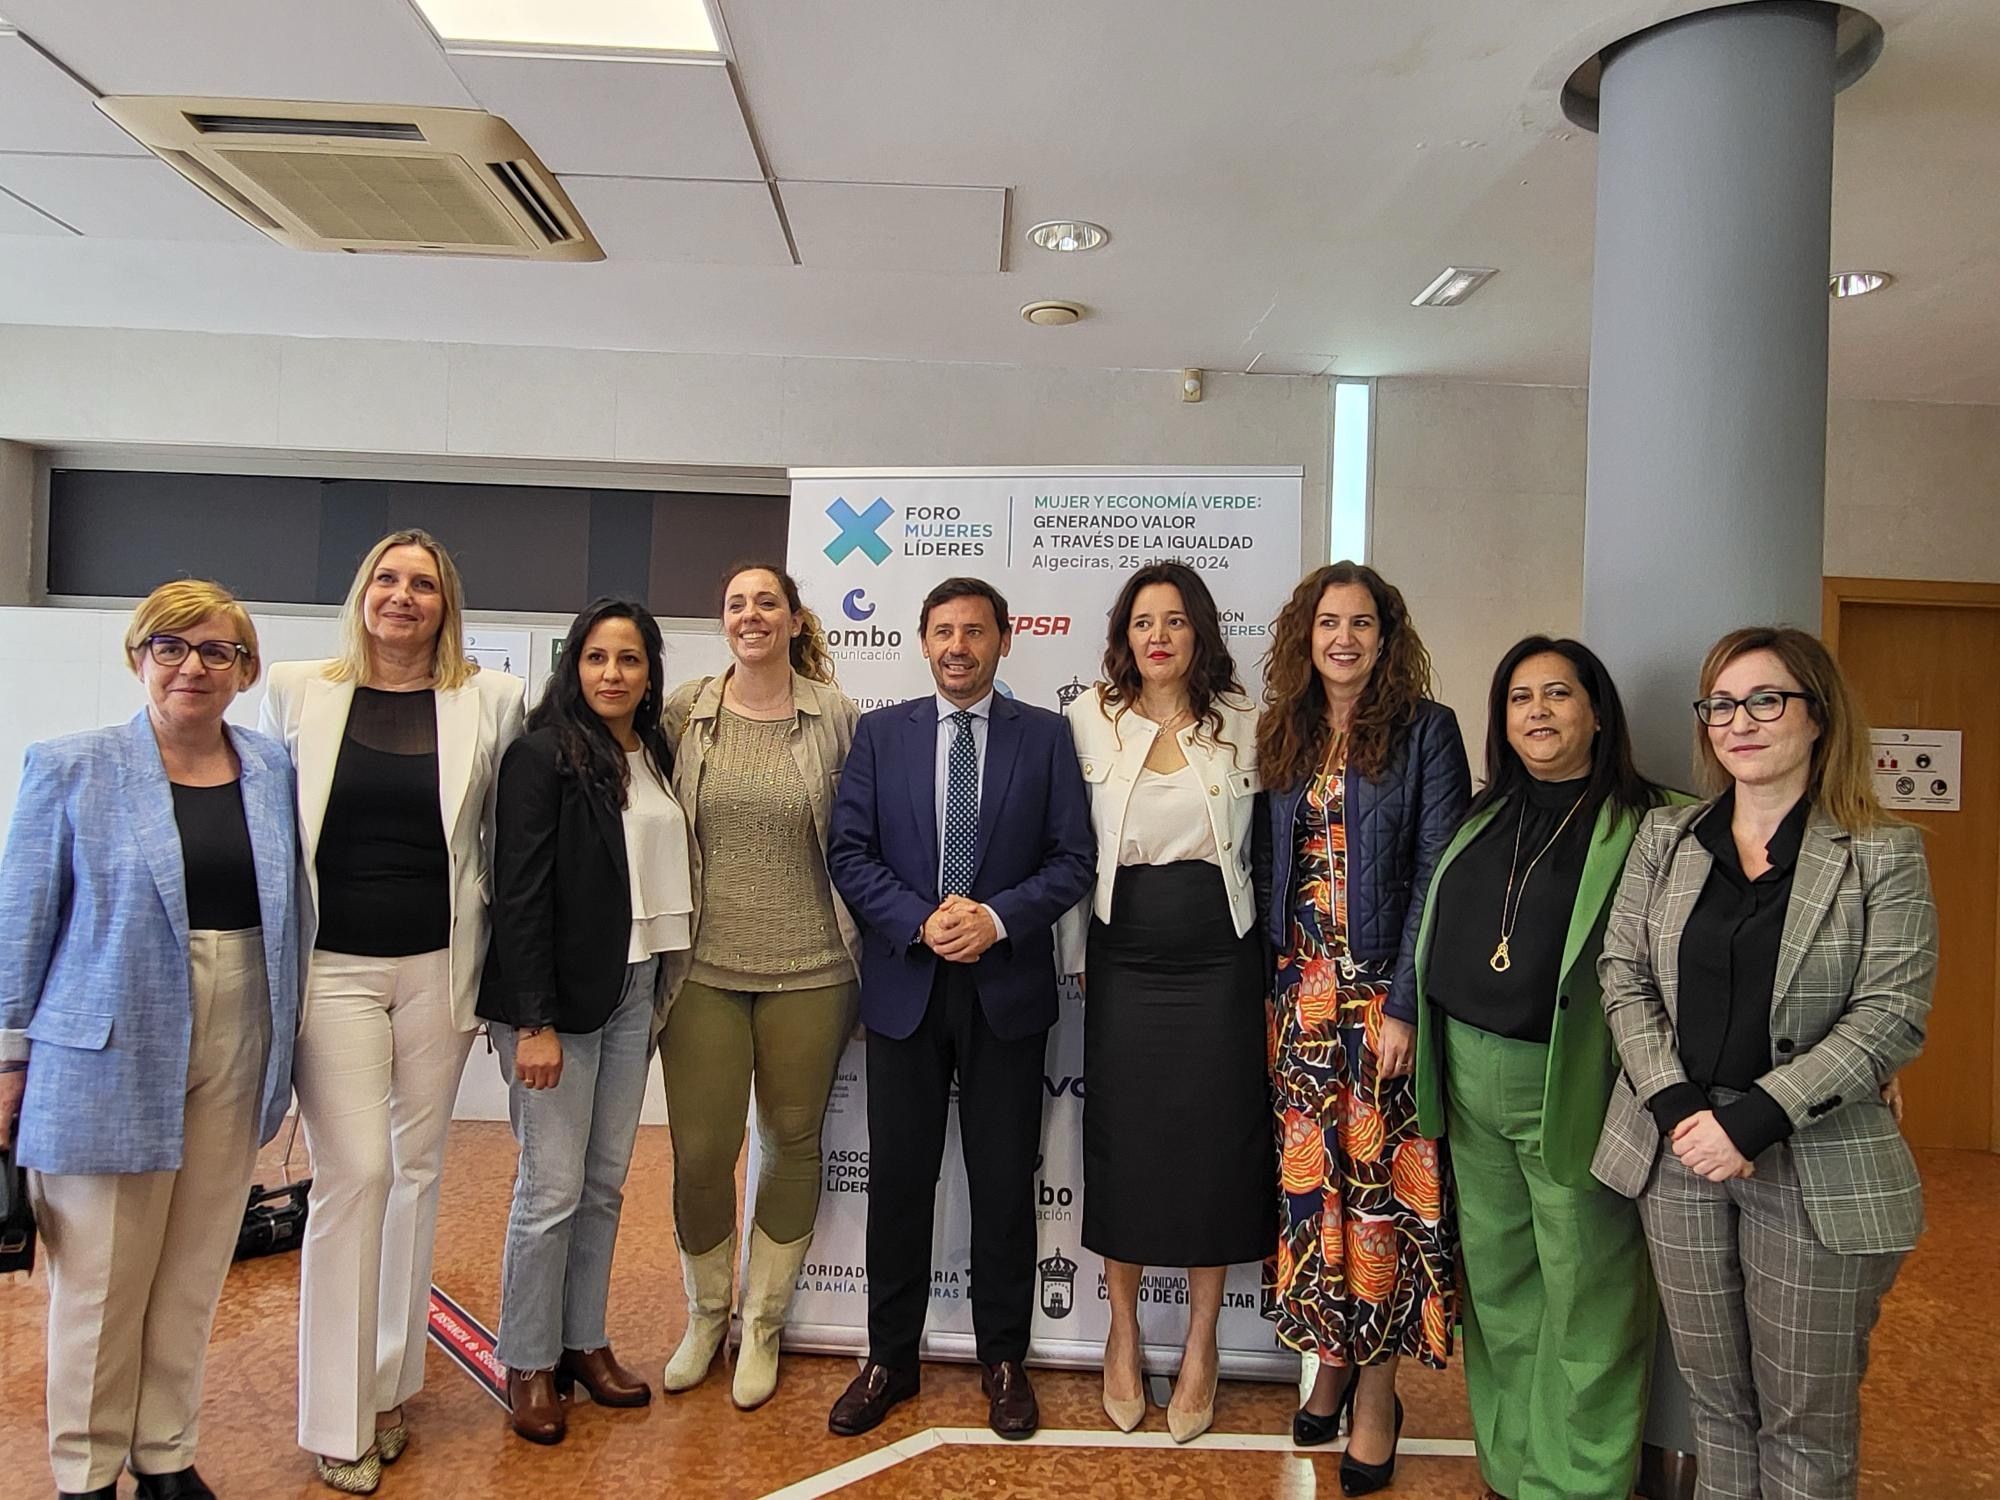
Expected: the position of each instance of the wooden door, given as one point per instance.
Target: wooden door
(1925, 655)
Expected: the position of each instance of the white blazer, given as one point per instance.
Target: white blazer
(1111, 748)
(475, 725)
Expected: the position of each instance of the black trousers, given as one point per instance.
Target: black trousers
(1000, 1132)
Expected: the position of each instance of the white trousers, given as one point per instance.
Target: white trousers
(376, 1073)
(136, 1260)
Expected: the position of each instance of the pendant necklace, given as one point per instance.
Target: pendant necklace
(1510, 902)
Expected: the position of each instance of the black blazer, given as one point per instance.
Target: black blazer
(562, 897)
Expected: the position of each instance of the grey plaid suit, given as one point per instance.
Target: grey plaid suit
(1772, 1283)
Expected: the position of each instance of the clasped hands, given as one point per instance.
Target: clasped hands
(959, 930)
(1706, 1150)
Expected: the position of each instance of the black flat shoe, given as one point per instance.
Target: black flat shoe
(1311, 1430)
(102, 1492)
(182, 1484)
(1357, 1478)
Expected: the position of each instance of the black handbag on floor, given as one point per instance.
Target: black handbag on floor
(17, 1220)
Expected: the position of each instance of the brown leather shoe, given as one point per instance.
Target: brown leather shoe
(537, 1409)
(868, 1398)
(1012, 1411)
(598, 1371)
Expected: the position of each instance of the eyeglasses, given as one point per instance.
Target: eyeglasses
(1765, 707)
(216, 656)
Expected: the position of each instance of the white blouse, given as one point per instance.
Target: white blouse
(656, 855)
(1167, 820)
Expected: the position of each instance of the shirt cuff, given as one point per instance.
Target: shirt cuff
(1675, 1103)
(999, 927)
(1754, 1123)
(14, 1046)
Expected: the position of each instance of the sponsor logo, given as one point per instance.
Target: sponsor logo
(856, 606)
(1041, 624)
(1054, 1204)
(858, 531)
(1068, 1086)
(1069, 692)
(1058, 1285)
(846, 1171)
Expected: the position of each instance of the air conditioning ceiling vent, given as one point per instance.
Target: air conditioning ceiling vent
(365, 177)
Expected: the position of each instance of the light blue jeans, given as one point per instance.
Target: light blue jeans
(576, 1145)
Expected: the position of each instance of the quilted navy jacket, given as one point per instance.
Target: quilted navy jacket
(1396, 829)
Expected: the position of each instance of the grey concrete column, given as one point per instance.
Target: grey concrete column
(1705, 500)
(1704, 507)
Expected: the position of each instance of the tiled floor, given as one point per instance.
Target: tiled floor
(1930, 1399)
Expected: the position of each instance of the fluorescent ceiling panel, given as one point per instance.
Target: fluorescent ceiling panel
(645, 25)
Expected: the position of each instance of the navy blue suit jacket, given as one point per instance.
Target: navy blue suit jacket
(1036, 859)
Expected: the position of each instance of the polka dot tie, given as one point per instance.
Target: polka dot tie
(961, 807)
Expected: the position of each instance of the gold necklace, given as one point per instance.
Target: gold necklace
(1501, 962)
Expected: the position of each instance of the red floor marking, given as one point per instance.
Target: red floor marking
(469, 1343)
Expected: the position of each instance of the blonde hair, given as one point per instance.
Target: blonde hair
(184, 603)
(1841, 783)
(450, 667)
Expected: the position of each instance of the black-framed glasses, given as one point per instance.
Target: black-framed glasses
(216, 656)
(1765, 707)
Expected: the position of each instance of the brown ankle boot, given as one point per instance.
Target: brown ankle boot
(598, 1371)
(538, 1411)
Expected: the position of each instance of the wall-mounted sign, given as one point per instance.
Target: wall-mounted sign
(1917, 770)
(500, 650)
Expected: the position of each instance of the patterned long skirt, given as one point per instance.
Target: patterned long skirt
(1366, 1268)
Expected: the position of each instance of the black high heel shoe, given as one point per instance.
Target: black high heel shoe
(1311, 1430)
(1357, 1478)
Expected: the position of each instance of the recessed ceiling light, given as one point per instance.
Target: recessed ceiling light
(1068, 236)
(643, 25)
(1052, 314)
(1856, 283)
(1453, 285)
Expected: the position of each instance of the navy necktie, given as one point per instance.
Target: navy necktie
(961, 808)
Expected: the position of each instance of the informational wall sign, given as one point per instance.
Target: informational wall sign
(1917, 770)
(500, 650)
(866, 546)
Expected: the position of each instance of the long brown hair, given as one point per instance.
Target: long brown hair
(1292, 733)
(810, 656)
(1211, 670)
(1842, 781)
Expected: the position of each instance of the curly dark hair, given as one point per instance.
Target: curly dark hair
(583, 744)
(1211, 672)
(1292, 733)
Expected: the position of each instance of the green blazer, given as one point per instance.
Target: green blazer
(1582, 1062)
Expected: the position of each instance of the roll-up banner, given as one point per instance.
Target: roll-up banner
(866, 545)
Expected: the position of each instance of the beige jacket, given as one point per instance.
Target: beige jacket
(821, 733)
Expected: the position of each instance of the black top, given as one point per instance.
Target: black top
(1728, 975)
(562, 896)
(1521, 1002)
(215, 855)
(384, 869)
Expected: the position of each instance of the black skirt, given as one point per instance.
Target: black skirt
(1179, 1165)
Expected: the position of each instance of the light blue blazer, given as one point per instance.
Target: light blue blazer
(94, 946)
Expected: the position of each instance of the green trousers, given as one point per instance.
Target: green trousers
(716, 1042)
(1559, 1307)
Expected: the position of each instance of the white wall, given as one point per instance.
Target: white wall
(1479, 510)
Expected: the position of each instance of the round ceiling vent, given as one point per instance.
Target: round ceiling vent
(1052, 314)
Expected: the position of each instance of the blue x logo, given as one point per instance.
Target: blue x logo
(859, 530)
